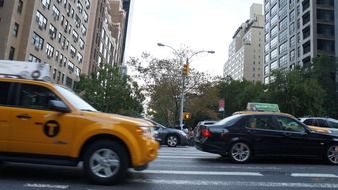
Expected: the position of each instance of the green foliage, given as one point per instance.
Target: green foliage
(110, 91)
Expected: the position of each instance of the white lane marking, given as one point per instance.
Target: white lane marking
(313, 175)
(237, 183)
(48, 186)
(156, 164)
(200, 173)
(187, 157)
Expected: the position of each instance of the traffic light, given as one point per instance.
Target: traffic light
(186, 115)
(185, 70)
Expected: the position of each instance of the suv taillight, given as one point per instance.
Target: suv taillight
(205, 133)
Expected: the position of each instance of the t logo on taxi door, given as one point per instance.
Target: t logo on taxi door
(51, 128)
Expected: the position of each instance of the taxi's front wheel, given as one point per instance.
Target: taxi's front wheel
(105, 162)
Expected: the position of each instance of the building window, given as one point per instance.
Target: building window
(306, 32)
(274, 65)
(45, 3)
(69, 82)
(52, 31)
(16, 29)
(79, 57)
(292, 41)
(274, 31)
(283, 60)
(273, 54)
(2, 3)
(37, 41)
(77, 71)
(82, 43)
(56, 13)
(282, 48)
(83, 29)
(72, 51)
(85, 16)
(77, 21)
(274, 20)
(70, 67)
(41, 20)
(20, 5)
(292, 55)
(283, 36)
(87, 4)
(274, 42)
(75, 36)
(49, 50)
(32, 58)
(11, 53)
(79, 6)
(306, 47)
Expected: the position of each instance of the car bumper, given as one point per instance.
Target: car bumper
(210, 148)
(148, 153)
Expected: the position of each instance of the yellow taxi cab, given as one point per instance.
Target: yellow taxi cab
(45, 123)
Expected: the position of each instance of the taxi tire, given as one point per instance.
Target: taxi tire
(118, 149)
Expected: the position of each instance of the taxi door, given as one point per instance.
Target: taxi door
(36, 128)
(5, 122)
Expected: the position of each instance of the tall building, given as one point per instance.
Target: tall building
(245, 59)
(106, 37)
(297, 31)
(46, 31)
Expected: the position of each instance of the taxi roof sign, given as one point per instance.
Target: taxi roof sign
(263, 107)
(25, 70)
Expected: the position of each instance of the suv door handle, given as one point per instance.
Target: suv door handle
(23, 116)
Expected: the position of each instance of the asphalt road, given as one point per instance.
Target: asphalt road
(183, 168)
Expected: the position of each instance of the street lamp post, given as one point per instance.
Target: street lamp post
(183, 75)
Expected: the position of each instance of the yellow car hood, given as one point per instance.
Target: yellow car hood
(115, 119)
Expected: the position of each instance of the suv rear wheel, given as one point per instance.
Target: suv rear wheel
(105, 162)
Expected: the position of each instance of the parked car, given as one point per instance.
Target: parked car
(169, 136)
(254, 134)
(321, 123)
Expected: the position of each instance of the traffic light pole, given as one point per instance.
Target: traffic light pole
(182, 101)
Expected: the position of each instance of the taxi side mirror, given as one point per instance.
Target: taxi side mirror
(59, 106)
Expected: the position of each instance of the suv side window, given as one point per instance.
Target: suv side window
(289, 124)
(4, 92)
(35, 97)
(322, 123)
(308, 122)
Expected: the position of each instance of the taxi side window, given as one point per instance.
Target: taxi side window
(262, 122)
(288, 124)
(35, 97)
(4, 90)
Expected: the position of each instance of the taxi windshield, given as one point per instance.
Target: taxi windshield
(75, 100)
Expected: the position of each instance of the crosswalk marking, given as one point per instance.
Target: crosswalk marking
(237, 183)
(313, 175)
(201, 173)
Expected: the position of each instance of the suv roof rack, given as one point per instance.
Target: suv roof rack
(24, 70)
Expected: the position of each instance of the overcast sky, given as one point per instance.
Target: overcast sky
(198, 24)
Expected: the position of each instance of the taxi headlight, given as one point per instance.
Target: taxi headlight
(145, 131)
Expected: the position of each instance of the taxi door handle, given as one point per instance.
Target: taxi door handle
(23, 116)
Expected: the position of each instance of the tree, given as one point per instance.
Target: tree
(161, 79)
(111, 92)
(296, 93)
(324, 70)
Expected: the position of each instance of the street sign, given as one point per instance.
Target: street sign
(221, 105)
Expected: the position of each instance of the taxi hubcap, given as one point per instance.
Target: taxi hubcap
(104, 163)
